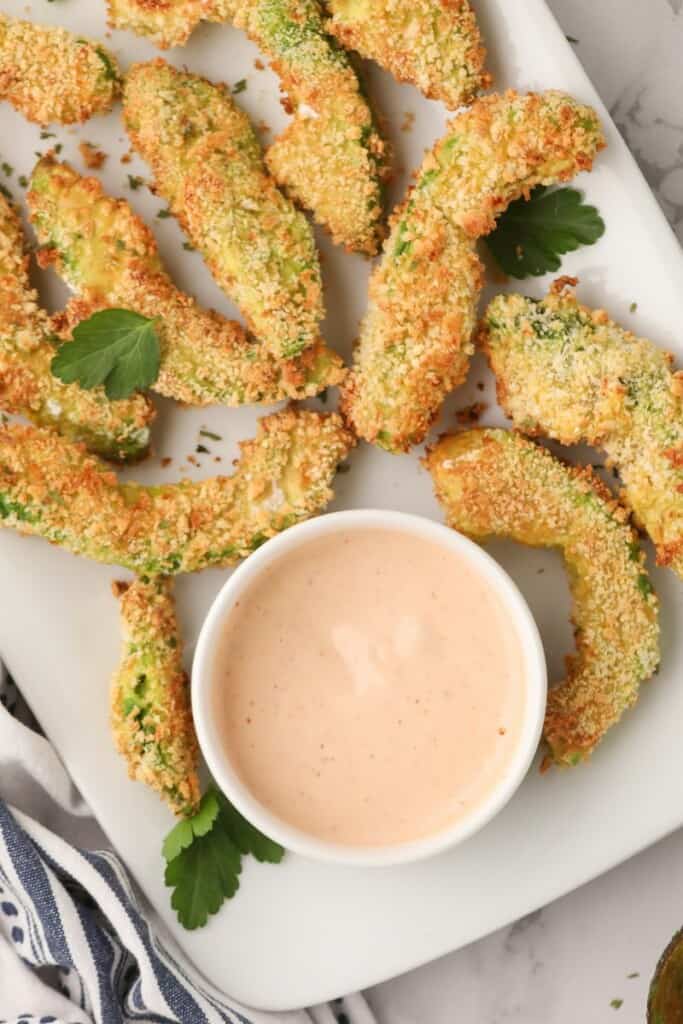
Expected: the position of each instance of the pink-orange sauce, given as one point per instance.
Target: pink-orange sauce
(370, 687)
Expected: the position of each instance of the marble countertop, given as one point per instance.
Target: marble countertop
(589, 956)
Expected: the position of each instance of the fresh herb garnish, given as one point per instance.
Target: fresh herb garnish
(210, 434)
(239, 86)
(134, 182)
(531, 236)
(115, 347)
(163, 214)
(204, 858)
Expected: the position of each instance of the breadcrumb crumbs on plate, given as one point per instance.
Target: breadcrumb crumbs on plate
(93, 158)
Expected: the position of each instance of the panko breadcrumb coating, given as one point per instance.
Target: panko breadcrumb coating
(495, 483)
(50, 75)
(209, 167)
(151, 717)
(433, 44)
(110, 258)
(52, 489)
(116, 430)
(571, 373)
(331, 158)
(415, 341)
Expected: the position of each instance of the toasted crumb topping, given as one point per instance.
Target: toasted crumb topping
(51, 75)
(571, 373)
(435, 46)
(151, 716)
(495, 483)
(415, 341)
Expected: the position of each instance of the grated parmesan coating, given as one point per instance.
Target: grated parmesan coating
(496, 483)
(571, 373)
(433, 44)
(116, 430)
(415, 340)
(209, 167)
(52, 489)
(50, 75)
(331, 158)
(110, 258)
(151, 716)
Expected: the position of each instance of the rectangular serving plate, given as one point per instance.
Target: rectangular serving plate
(302, 932)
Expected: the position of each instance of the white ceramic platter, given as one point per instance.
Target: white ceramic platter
(302, 932)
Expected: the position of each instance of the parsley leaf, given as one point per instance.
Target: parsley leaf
(185, 831)
(114, 347)
(532, 234)
(247, 838)
(204, 858)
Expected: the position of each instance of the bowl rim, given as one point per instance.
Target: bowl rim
(217, 759)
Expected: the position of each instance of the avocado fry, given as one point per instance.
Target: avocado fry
(209, 167)
(115, 430)
(435, 46)
(110, 258)
(331, 158)
(52, 76)
(53, 489)
(415, 341)
(571, 373)
(496, 483)
(151, 716)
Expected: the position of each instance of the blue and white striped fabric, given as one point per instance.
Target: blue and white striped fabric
(76, 945)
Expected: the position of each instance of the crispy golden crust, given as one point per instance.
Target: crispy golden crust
(151, 717)
(573, 374)
(50, 75)
(166, 22)
(495, 483)
(433, 44)
(415, 341)
(110, 258)
(52, 489)
(331, 158)
(209, 167)
(115, 430)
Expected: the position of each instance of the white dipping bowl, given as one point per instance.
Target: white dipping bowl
(204, 677)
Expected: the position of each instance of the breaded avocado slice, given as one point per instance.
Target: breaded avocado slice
(332, 158)
(571, 373)
(50, 75)
(52, 489)
(110, 258)
(116, 430)
(151, 717)
(432, 44)
(415, 341)
(209, 167)
(496, 483)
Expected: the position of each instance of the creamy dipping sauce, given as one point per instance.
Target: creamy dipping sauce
(369, 687)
